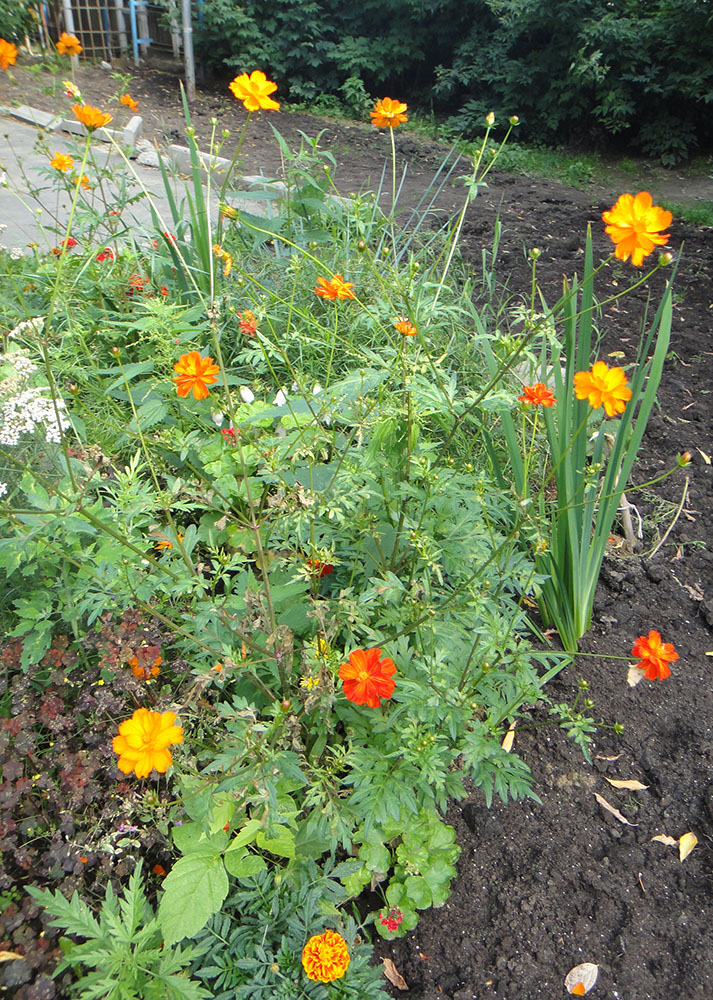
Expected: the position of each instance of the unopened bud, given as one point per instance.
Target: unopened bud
(490, 118)
(361, 246)
(665, 259)
(535, 253)
(514, 120)
(285, 705)
(685, 458)
(226, 133)
(228, 211)
(115, 350)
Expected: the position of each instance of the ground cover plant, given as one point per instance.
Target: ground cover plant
(320, 499)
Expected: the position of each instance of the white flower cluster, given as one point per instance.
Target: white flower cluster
(28, 326)
(28, 410)
(21, 363)
(3, 489)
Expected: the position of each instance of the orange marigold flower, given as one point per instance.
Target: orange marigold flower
(334, 288)
(68, 45)
(247, 323)
(388, 113)
(159, 870)
(195, 374)
(635, 225)
(325, 957)
(143, 741)
(8, 54)
(84, 181)
(537, 395)
(603, 386)
(404, 326)
(367, 678)
(654, 656)
(163, 543)
(92, 118)
(254, 91)
(69, 243)
(128, 102)
(62, 162)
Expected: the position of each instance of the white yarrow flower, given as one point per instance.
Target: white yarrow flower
(3, 489)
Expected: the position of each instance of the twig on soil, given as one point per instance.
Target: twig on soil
(675, 518)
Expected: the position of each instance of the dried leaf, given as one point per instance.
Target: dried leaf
(7, 956)
(686, 844)
(635, 676)
(601, 756)
(581, 978)
(663, 838)
(706, 458)
(632, 785)
(610, 808)
(616, 354)
(393, 975)
(509, 738)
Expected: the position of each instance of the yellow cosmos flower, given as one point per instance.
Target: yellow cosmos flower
(92, 118)
(128, 102)
(143, 741)
(388, 113)
(325, 957)
(8, 54)
(603, 386)
(68, 45)
(254, 91)
(62, 162)
(635, 225)
(71, 89)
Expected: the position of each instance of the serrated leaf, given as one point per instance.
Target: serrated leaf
(686, 844)
(193, 891)
(631, 784)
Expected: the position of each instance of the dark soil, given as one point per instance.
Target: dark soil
(545, 886)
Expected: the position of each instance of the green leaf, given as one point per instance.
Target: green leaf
(193, 891)
(244, 865)
(244, 836)
(283, 844)
(418, 891)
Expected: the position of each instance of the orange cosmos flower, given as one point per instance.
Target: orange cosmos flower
(654, 655)
(195, 374)
(254, 91)
(537, 395)
(84, 181)
(404, 326)
(68, 45)
(635, 225)
(367, 678)
(8, 54)
(62, 162)
(128, 102)
(247, 323)
(143, 741)
(388, 113)
(334, 288)
(603, 386)
(325, 957)
(92, 118)
(163, 543)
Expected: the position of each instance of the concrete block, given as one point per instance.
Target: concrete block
(132, 131)
(180, 156)
(42, 119)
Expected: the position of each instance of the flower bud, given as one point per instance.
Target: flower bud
(226, 133)
(490, 118)
(514, 120)
(665, 259)
(535, 253)
(115, 350)
(285, 704)
(684, 459)
(228, 212)
(361, 246)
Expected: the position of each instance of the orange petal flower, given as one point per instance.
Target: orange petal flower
(254, 91)
(635, 225)
(195, 374)
(654, 656)
(247, 323)
(92, 118)
(68, 45)
(334, 288)
(367, 678)
(8, 54)
(603, 386)
(128, 102)
(84, 181)
(62, 162)
(537, 395)
(325, 957)
(143, 741)
(404, 326)
(388, 113)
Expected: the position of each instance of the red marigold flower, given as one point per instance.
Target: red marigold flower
(106, 254)
(69, 243)
(247, 323)
(137, 283)
(325, 957)
(163, 291)
(334, 288)
(537, 395)
(367, 678)
(635, 225)
(388, 113)
(654, 656)
(603, 386)
(324, 569)
(405, 327)
(195, 374)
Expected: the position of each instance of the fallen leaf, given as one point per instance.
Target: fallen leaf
(686, 844)
(509, 738)
(393, 975)
(601, 756)
(7, 956)
(610, 808)
(632, 785)
(635, 676)
(706, 458)
(581, 978)
(663, 838)
(616, 354)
